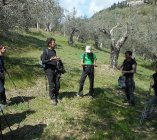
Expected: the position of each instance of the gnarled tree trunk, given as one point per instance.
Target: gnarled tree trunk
(70, 40)
(115, 45)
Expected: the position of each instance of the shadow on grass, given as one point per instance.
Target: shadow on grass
(113, 118)
(16, 40)
(19, 99)
(110, 119)
(27, 132)
(37, 33)
(23, 69)
(149, 66)
(100, 91)
(70, 94)
(15, 118)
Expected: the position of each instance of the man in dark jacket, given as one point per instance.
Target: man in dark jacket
(49, 58)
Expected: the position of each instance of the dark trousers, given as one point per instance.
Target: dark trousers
(54, 84)
(130, 88)
(87, 71)
(2, 92)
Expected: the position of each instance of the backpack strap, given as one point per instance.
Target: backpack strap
(84, 55)
(47, 51)
(92, 57)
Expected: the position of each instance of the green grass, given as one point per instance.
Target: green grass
(104, 117)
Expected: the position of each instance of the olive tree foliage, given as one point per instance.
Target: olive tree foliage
(23, 14)
(53, 14)
(75, 27)
(142, 29)
(14, 13)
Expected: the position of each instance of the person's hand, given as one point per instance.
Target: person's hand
(118, 67)
(95, 65)
(54, 58)
(124, 72)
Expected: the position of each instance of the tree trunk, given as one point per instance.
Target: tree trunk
(114, 58)
(96, 40)
(70, 39)
(37, 26)
(115, 45)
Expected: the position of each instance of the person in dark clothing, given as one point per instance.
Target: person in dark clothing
(49, 58)
(152, 102)
(154, 82)
(88, 61)
(2, 76)
(128, 69)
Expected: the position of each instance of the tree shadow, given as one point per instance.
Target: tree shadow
(15, 40)
(69, 95)
(19, 99)
(27, 132)
(100, 91)
(109, 118)
(15, 118)
(37, 33)
(149, 66)
(24, 69)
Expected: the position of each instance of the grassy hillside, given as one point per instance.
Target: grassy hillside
(104, 117)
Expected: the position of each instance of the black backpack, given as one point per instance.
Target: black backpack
(91, 56)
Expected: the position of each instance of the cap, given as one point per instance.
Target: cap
(88, 49)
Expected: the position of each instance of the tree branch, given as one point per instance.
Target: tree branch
(106, 32)
(122, 40)
(111, 31)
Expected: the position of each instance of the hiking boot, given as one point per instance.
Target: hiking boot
(54, 102)
(91, 97)
(80, 94)
(2, 106)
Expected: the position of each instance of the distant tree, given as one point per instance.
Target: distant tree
(70, 40)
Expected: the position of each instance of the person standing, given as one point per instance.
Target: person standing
(128, 70)
(2, 76)
(88, 61)
(49, 58)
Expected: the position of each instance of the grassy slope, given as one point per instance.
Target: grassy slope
(104, 117)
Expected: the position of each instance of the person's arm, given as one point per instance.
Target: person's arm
(45, 59)
(82, 63)
(120, 67)
(94, 63)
